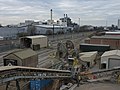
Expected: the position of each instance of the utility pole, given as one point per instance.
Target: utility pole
(79, 22)
(53, 31)
(79, 25)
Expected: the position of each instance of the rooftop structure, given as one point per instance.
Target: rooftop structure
(37, 36)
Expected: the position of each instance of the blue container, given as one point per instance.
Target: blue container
(32, 85)
(39, 84)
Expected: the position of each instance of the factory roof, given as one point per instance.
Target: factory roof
(37, 36)
(88, 56)
(110, 53)
(113, 32)
(23, 53)
(106, 37)
(94, 44)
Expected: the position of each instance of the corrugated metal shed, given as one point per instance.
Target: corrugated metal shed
(110, 59)
(22, 57)
(40, 41)
(112, 52)
(88, 57)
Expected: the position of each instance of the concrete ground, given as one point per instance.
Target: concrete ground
(98, 86)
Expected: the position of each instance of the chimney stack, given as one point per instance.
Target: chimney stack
(51, 14)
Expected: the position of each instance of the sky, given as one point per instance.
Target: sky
(90, 12)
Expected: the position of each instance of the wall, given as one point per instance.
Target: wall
(31, 61)
(43, 30)
(114, 44)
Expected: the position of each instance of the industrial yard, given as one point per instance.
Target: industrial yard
(52, 55)
(59, 45)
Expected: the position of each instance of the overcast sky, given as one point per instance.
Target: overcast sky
(90, 12)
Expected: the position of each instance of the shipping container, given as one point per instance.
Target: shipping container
(29, 41)
(39, 84)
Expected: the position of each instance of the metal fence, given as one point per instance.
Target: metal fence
(4, 48)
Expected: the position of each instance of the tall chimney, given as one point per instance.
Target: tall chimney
(51, 14)
(66, 15)
(64, 18)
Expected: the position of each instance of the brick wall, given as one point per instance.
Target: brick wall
(114, 44)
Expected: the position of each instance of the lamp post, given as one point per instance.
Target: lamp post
(79, 24)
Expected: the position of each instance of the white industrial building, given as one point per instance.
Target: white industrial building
(50, 29)
(118, 23)
(110, 59)
(38, 41)
(89, 57)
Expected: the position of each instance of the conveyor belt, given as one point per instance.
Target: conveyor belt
(102, 73)
(9, 73)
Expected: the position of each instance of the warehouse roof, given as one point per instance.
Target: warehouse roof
(106, 37)
(37, 36)
(23, 53)
(112, 52)
(112, 32)
(94, 44)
